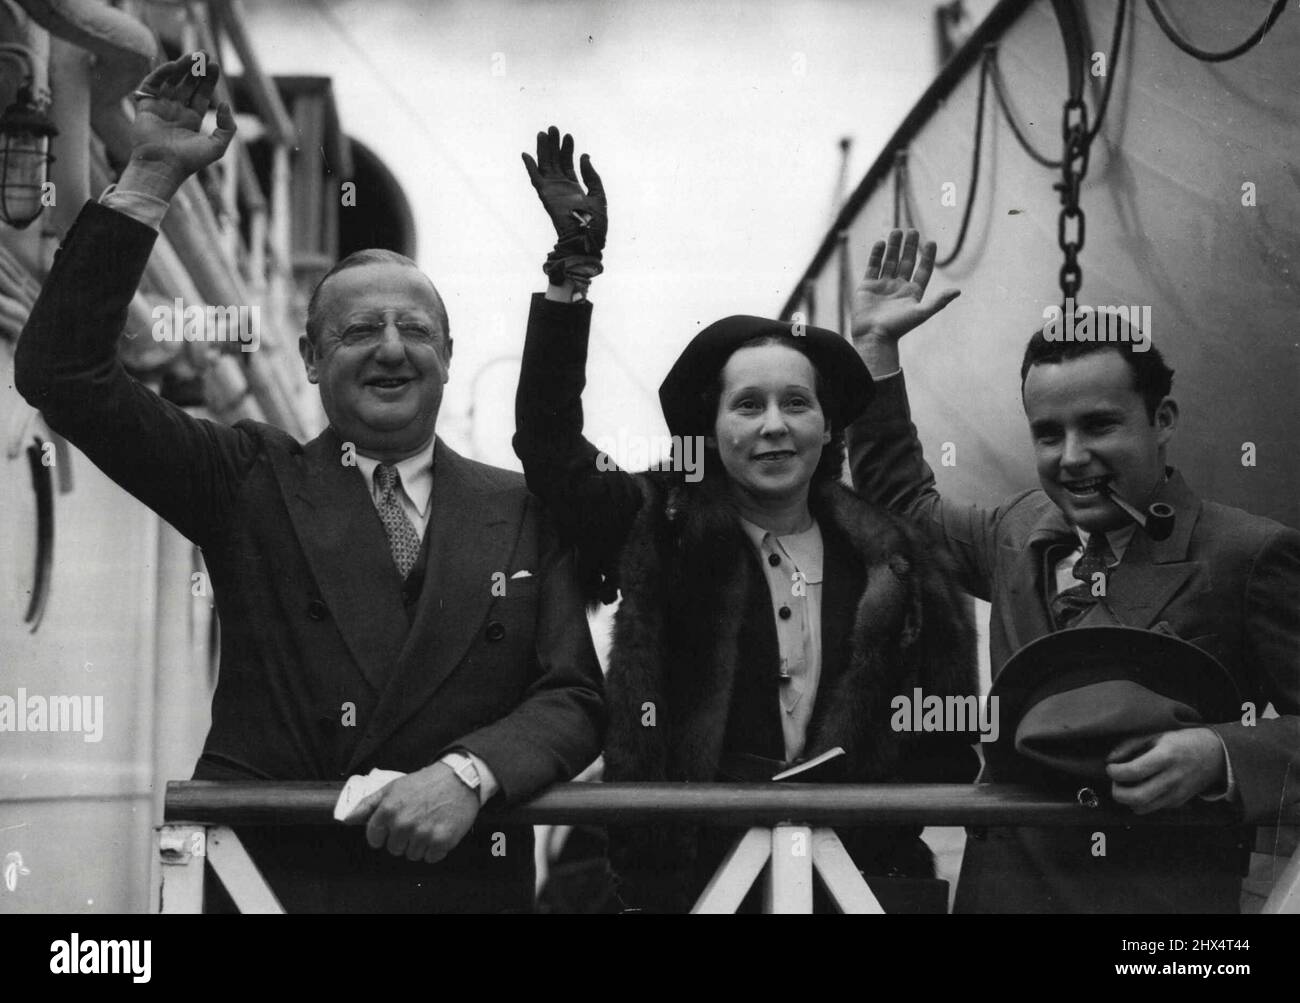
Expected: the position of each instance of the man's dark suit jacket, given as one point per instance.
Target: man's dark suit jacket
(1225, 580)
(314, 616)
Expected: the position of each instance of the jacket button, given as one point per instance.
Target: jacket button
(316, 610)
(496, 630)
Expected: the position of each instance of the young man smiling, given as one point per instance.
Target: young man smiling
(1101, 420)
(1094, 428)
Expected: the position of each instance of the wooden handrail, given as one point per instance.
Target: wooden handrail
(312, 803)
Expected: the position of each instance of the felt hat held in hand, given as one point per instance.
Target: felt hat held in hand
(1067, 699)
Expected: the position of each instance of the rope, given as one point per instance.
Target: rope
(902, 200)
(1117, 34)
(989, 67)
(1216, 57)
(974, 163)
(1068, 20)
(999, 92)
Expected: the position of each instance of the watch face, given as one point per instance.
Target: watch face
(468, 772)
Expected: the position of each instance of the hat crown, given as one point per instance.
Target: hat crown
(687, 385)
(1067, 698)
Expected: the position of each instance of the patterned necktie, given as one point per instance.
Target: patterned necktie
(403, 540)
(1070, 604)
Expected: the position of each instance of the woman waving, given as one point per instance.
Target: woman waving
(768, 614)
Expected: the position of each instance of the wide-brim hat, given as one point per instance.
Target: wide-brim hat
(683, 391)
(1067, 699)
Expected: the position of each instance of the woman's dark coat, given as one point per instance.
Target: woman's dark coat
(692, 688)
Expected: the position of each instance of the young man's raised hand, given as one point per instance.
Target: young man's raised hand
(887, 302)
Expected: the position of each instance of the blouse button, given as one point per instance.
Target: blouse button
(784, 612)
(774, 559)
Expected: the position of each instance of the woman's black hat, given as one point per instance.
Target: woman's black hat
(683, 391)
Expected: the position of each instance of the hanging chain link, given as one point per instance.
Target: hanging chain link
(1074, 166)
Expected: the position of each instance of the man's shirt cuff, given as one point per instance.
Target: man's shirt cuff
(146, 209)
(1229, 793)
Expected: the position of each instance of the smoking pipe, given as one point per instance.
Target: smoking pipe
(1157, 522)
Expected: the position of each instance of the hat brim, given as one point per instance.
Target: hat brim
(840, 368)
(1067, 699)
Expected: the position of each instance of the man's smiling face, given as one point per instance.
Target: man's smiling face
(381, 358)
(1090, 431)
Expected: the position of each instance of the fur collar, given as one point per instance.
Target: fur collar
(686, 589)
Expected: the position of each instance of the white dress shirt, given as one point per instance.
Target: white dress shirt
(1118, 541)
(415, 489)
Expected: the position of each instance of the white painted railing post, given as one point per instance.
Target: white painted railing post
(789, 886)
(182, 850)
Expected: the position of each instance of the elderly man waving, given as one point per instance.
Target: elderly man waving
(354, 575)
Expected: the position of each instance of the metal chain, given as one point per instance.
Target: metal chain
(1074, 167)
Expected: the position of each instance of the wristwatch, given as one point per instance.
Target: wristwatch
(463, 767)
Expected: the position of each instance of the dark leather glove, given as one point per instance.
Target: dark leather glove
(581, 218)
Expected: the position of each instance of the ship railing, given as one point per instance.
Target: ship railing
(789, 831)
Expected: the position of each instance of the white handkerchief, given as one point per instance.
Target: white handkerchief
(521, 574)
(358, 788)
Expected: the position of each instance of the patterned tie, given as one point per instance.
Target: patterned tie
(1070, 604)
(403, 540)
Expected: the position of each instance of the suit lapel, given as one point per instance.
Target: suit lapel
(1153, 572)
(472, 532)
(1025, 612)
(345, 546)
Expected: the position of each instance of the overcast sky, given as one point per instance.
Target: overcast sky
(715, 127)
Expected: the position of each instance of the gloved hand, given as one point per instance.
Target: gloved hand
(581, 218)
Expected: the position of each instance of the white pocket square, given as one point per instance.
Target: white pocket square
(521, 574)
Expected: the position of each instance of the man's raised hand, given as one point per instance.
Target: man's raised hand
(887, 302)
(167, 142)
